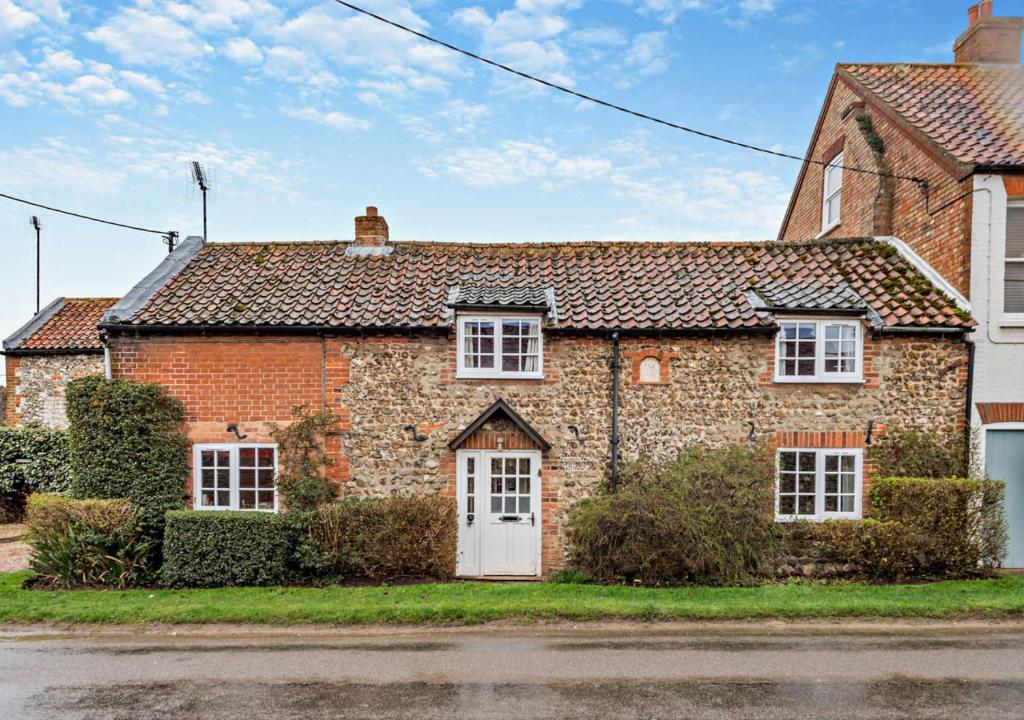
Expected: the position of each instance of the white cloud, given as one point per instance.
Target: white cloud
(709, 198)
(139, 37)
(97, 90)
(15, 19)
(647, 53)
(243, 51)
(602, 35)
(60, 61)
(141, 81)
(472, 17)
(331, 119)
(52, 10)
(668, 11)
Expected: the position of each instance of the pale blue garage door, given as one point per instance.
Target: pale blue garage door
(1004, 460)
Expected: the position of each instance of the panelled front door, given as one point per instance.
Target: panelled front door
(499, 512)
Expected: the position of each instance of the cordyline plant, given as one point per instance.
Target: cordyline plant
(302, 447)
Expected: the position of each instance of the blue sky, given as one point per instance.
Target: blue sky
(307, 113)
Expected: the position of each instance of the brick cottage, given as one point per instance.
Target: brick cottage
(485, 372)
(949, 140)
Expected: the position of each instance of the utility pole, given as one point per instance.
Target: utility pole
(200, 179)
(34, 222)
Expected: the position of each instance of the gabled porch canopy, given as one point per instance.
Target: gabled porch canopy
(498, 409)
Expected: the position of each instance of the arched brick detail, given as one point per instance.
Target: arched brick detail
(1000, 412)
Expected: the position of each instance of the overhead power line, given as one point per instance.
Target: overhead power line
(620, 108)
(165, 233)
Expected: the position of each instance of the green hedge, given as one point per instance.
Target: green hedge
(383, 539)
(125, 441)
(881, 550)
(959, 522)
(86, 542)
(705, 516)
(224, 548)
(48, 469)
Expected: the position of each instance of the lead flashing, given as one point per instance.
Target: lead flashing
(143, 292)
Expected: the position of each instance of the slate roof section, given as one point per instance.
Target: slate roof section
(975, 113)
(496, 296)
(67, 325)
(596, 286)
(784, 296)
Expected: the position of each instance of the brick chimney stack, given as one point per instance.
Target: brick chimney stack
(371, 229)
(989, 39)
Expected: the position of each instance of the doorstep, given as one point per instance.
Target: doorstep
(501, 578)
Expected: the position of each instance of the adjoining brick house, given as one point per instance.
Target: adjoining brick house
(485, 372)
(60, 342)
(953, 137)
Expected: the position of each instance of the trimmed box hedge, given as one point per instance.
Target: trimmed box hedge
(225, 548)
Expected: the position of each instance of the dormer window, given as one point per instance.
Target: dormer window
(499, 330)
(815, 350)
(500, 346)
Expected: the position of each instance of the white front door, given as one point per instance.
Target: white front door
(499, 513)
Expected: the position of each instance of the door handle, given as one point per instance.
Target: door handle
(533, 518)
(469, 518)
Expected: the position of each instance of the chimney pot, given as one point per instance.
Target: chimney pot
(371, 229)
(989, 39)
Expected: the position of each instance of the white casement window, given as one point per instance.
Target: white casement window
(811, 350)
(235, 477)
(492, 346)
(818, 484)
(833, 193)
(1013, 279)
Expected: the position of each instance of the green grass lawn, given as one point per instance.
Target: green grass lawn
(473, 602)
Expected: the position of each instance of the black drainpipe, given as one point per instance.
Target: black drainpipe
(615, 412)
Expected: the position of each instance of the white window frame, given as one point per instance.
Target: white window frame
(820, 376)
(496, 372)
(835, 165)
(819, 484)
(233, 474)
(1011, 318)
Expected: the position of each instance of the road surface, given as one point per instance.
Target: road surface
(628, 671)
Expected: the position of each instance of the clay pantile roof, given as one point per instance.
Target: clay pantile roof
(975, 113)
(65, 325)
(622, 285)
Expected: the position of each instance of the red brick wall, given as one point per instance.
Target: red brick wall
(940, 232)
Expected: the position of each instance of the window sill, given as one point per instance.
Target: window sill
(817, 518)
(829, 228)
(1011, 321)
(500, 376)
(818, 381)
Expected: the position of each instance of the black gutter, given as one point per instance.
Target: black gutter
(193, 329)
(21, 352)
(615, 412)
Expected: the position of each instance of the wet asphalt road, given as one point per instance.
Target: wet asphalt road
(627, 672)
